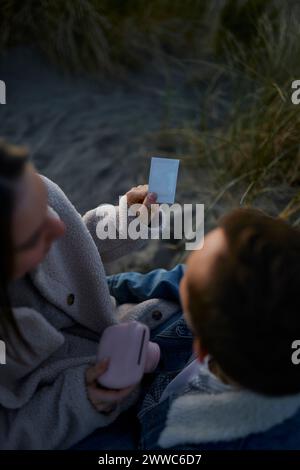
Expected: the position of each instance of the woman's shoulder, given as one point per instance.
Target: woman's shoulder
(54, 191)
(57, 199)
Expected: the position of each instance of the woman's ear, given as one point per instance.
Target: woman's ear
(199, 351)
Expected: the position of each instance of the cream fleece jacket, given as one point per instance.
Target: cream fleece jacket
(62, 307)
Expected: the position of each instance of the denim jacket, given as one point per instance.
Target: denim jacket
(198, 419)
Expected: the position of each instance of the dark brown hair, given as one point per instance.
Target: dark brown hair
(249, 315)
(12, 164)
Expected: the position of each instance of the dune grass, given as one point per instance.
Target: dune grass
(104, 35)
(254, 142)
(250, 48)
(101, 35)
(262, 135)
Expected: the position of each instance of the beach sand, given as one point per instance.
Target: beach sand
(94, 137)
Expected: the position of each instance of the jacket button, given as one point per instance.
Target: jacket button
(70, 299)
(156, 315)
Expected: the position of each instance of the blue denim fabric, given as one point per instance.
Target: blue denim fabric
(176, 346)
(152, 413)
(173, 336)
(135, 287)
(284, 436)
(141, 426)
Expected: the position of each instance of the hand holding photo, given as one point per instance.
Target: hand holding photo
(163, 178)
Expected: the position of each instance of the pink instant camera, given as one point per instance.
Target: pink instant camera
(130, 352)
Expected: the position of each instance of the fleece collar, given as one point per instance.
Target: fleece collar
(200, 418)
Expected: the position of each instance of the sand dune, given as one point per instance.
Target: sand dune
(91, 136)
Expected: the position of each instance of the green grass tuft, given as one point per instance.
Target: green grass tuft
(243, 53)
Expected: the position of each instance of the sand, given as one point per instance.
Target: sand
(94, 137)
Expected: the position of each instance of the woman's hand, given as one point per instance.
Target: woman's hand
(140, 195)
(104, 400)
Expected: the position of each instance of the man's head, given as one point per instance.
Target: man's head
(240, 294)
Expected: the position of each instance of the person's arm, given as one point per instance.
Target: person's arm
(96, 219)
(134, 287)
(57, 416)
(109, 249)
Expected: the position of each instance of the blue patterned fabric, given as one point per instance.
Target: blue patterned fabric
(141, 426)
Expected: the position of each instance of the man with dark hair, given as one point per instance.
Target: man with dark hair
(240, 299)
